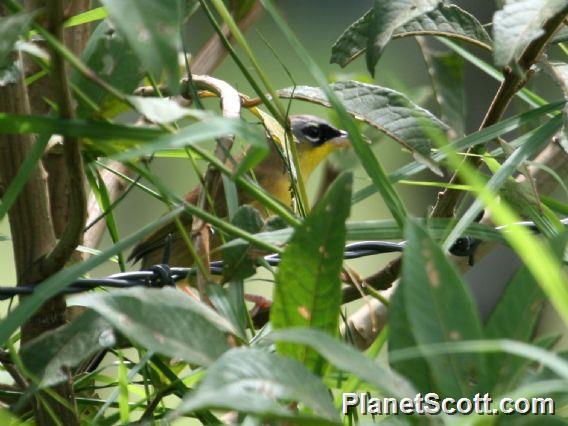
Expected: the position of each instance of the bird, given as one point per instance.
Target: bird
(315, 140)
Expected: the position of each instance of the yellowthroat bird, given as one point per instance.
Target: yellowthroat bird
(315, 139)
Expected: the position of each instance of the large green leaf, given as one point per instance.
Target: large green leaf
(108, 54)
(400, 337)
(11, 27)
(520, 22)
(165, 320)
(515, 318)
(308, 287)
(387, 17)
(385, 109)
(441, 309)
(348, 359)
(46, 356)
(152, 28)
(446, 20)
(254, 380)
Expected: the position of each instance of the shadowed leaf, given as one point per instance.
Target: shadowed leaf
(164, 320)
(442, 311)
(108, 54)
(445, 21)
(385, 109)
(152, 30)
(46, 356)
(387, 17)
(347, 358)
(518, 23)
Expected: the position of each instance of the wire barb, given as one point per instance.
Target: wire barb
(163, 274)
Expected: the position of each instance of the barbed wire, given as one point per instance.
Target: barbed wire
(161, 275)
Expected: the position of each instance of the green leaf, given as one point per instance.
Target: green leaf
(229, 301)
(163, 110)
(347, 358)
(385, 109)
(401, 336)
(518, 23)
(515, 317)
(92, 15)
(308, 287)
(533, 145)
(447, 20)
(59, 281)
(387, 17)
(11, 27)
(46, 356)
(471, 140)
(239, 262)
(108, 54)
(165, 320)
(24, 124)
(243, 375)
(447, 73)
(152, 30)
(192, 134)
(442, 311)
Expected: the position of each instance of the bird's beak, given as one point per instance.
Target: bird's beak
(342, 140)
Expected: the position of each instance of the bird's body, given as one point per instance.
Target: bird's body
(316, 139)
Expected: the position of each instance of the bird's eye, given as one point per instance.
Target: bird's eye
(313, 132)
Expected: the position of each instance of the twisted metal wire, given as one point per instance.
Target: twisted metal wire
(164, 275)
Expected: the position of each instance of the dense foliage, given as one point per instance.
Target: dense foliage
(106, 107)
